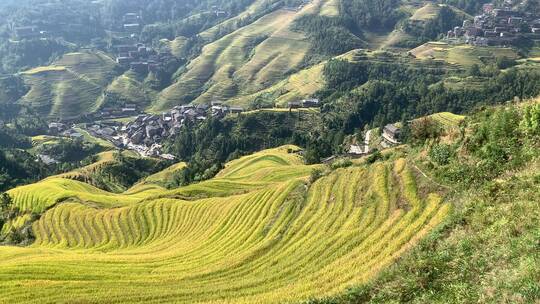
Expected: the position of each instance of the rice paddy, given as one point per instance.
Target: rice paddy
(448, 119)
(258, 232)
(462, 55)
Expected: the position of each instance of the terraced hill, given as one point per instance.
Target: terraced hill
(130, 87)
(259, 232)
(461, 55)
(246, 61)
(71, 87)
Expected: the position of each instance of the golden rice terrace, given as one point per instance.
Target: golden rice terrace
(259, 232)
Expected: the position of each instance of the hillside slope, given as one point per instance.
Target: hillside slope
(270, 236)
(71, 87)
(246, 61)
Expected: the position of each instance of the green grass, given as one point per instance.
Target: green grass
(71, 86)
(177, 46)
(330, 8)
(258, 232)
(447, 119)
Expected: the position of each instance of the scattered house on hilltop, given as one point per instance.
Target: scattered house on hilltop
(107, 131)
(26, 32)
(391, 134)
(139, 67)
(76, 136)
(132, 27)
(356, 151)
(168, 156)
(56, 128)
(294, 104)
(126, 48)
(473, 32)
(488, 8)
(236, 110)
(202, 108)
(46, 159)
(124, 60)
(310, 103)
(131, 18)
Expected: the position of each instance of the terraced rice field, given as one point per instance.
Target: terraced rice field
(71, 86)
(257, 233)
(300, 85)
(461, 55)
(448, 119)
(253, 10)
(431, 11)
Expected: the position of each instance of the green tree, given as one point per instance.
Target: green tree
(474, 70)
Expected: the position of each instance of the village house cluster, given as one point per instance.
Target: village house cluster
(305, 103)
(497, 27)
(135, 55)
(132, 23)
(390, 136)
(147, 131)
(126, 110)
(139, 58)
(62, 129)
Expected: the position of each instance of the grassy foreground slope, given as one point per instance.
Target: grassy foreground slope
(281, 238)
(488, 250)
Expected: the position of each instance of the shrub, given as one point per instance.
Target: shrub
(341, 163)
(315, 175)
(424, 129)
(374, 157)
(441, 154)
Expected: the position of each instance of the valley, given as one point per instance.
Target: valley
(269, 151)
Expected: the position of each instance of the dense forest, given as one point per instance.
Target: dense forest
(208, 146)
